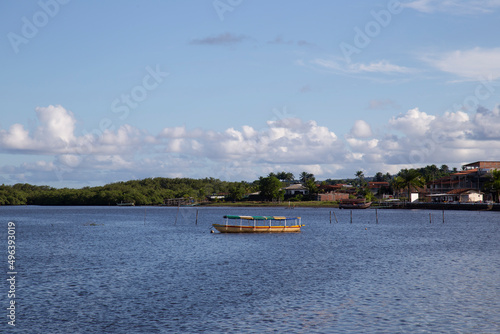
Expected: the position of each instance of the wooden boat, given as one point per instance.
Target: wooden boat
(354, 204)
(254, 224)
(125, 204)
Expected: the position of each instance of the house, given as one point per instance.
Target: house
(459, 195)
(219, 196)
(376, 187)
(334, 192)
(416, 193)
(469, 178)
(482, 165)
(470, 196)
(296, 189)
(333, 196)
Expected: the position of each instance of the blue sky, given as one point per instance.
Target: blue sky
(102, 91)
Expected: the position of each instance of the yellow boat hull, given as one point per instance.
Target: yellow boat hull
(256, 229)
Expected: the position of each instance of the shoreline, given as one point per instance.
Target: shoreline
(318, 204)
(399, 206)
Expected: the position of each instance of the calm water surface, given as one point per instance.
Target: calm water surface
(153, 270)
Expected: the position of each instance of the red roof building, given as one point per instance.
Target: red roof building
(482, 165)
(469, 178)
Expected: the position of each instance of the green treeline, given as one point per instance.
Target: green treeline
(157, 191)
(152, 191)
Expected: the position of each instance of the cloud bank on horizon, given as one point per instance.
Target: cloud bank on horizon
(371, 85)
(408, 139)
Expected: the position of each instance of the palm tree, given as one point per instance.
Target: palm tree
(408, 178)
(361, 176)
(304, 177)
(285, 177)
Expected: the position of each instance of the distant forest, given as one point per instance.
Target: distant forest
(157, 191)
(152, 191)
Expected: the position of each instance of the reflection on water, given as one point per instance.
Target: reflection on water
(154, 270)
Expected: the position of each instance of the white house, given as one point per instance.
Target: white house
(459, 195)
(471, 196)
(296, 189)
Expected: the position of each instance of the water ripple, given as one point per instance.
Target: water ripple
(122, 275)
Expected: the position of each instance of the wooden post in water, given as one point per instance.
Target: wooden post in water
(196, 216)
(376, 215)
(177, 215)
(335, 217)
(351, 216)
(330, 217)
(430, 218)
(443, 216)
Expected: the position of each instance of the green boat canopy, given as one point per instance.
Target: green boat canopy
(260, 217)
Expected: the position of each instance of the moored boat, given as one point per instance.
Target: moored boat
(254, 224)
(354, 204)
(125, 204)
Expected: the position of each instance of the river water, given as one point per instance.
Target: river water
(159, 270)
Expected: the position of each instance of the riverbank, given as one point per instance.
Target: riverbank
(326, 204)
(286, 205)
(448, 206)
(402, 205)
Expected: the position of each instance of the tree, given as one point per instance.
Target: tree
(311, 187)
(445, 169)
(494, 184)
(430, 172)
(367, 194)
(304, 176)
(408, 178)
(361, 177)
(285, 177)
(237, 191)
(270, 188)
(379, 177)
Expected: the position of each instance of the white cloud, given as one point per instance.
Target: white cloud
(415, 138)
(449, 138)
(382, 104)
(473, 64)
(175, 132)
(57, 125)
(487, 123)
(40, 165)
(70, 160)
(221, 39)
(16, 138)
(291, 140)
(452, 125)
(55, 132)
(361, 129)
(382, 66)
(414, 122)
(124, 140)
(460, 7)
